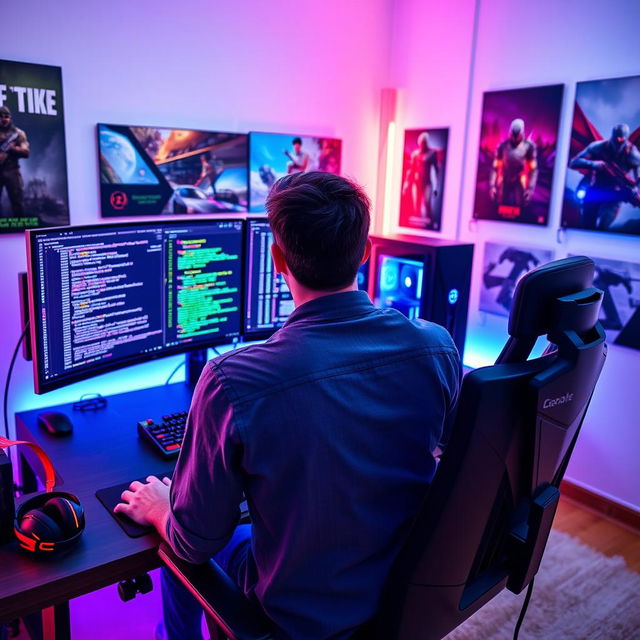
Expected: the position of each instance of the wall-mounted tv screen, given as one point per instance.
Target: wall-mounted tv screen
(273, 155)
(602, 190)
(152, 170)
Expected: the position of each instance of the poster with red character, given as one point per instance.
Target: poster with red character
(33, 161)
(518, 141)
(423, 169)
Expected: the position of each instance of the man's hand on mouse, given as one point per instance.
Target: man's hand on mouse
(147, 503)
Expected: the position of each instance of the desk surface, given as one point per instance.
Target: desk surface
(103, 450)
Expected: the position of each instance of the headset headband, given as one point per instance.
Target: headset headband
(50, 474)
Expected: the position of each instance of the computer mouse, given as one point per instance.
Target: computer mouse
(56, 423)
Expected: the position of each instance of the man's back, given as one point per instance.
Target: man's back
(328, 429)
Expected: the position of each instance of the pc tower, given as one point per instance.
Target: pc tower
(423, 278)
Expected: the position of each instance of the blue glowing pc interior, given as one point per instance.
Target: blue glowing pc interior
(268, 300)
(105, 297)
(399, 284)
(363, 277)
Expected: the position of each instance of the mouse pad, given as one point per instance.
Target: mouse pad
(110, 497)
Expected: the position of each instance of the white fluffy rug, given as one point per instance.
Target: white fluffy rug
(578, 594)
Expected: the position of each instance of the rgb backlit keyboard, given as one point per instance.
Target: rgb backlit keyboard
(165, 437)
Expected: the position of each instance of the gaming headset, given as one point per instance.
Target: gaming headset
(47, 522)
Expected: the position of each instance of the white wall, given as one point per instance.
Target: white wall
(291, 66)
(430, 66)
(519, 44)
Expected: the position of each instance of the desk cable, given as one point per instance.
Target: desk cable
(523, 611)
(8, 380)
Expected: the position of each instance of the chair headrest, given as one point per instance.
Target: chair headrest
(532, 308)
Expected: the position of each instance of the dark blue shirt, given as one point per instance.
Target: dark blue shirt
(328, 428)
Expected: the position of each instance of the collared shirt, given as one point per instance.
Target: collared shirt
(328, 429)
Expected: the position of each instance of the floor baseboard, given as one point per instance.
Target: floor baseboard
(602, 506)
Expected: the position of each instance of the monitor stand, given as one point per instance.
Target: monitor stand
(195, 361)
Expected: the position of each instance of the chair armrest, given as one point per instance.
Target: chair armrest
(222, 600)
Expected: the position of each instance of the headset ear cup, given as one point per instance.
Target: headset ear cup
(37, 524)
(68, 514)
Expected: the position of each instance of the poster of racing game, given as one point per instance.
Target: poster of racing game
(151, 170)
(518, 140)
(620, 310)
(33, 160)
(423, 166)
(602, 189)
(273, 155)
(502, 268)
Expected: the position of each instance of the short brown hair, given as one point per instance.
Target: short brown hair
(320, 221)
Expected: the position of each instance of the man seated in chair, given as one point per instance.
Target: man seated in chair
(328, 428)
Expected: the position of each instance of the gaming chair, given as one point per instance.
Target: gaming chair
(485, 521)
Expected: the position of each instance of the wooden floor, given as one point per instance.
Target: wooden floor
(603, 535)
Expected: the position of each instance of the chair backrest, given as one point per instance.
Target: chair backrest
(485, 521)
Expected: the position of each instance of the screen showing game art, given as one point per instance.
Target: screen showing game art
(273, 155)
(503, 266)
(602, 185)
(620, 311)
(152, 170)
(399, 284)
(423, 166)
(518, 140)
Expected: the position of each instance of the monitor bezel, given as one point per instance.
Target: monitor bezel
(252, 334)
(44, 386)
(167, 213)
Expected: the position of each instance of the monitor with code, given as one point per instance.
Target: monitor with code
(268, 299)
(104, 297)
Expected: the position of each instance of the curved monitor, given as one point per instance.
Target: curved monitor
(108, 296)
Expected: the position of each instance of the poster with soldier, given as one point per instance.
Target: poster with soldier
(602, 190)
(33, 160)
(620, 310)
(503, 266)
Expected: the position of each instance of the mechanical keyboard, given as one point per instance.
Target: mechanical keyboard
(164, 437)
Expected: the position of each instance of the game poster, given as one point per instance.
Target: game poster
(602, 186)
(620, 310)
(502, 268)
(33, 160)
(151, 170)
(423, 170)
(273, 155)
(518, 139)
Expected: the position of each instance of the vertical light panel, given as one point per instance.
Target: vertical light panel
(387, 219)
(388, 105)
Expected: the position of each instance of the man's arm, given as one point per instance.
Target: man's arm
(21, 147)
(585, 160)
(206, 489)
(496, 173)
(532, 172)
(198, 515)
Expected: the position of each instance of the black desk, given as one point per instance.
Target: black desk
(103, 450)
